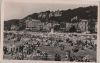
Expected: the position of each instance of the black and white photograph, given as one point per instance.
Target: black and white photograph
(50, 31)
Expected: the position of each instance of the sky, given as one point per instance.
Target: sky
(18, 10)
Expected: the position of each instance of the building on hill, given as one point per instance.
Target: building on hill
(51, 14)
(37, 25)
(92, 25)
(14, 28)
(44, 15)
(78, 26)
(82, 26)
(32, 24)
(57, 13)
(46, 26)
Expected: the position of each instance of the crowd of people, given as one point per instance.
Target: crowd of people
(27, 45)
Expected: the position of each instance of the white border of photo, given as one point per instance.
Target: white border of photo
(49, 1)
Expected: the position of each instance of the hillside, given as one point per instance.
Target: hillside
(66, 15)
(89, 12)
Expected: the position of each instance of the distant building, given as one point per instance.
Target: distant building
(92, 25)
(37, 25)
(82, 26)
(44, 15)
(14, 27)
(46, 26)
(71, 27)
(51, 14)
(76, 25)
(57, 13)
(32, 24)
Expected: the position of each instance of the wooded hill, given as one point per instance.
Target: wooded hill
(89, 12)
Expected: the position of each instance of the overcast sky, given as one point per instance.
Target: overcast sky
(18, 10)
